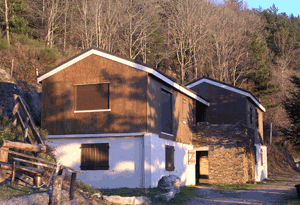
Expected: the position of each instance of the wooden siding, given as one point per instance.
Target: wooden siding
(181, 129)
(127, 99)
(225, 106)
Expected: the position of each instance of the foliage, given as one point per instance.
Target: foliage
(292, 106)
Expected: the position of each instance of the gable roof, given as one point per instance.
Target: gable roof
(126, 61)
(227, 87)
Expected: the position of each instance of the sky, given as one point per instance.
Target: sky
(287, 6)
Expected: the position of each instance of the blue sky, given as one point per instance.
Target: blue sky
(287, 6)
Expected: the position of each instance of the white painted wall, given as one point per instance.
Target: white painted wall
(155, 161)
(134, 162)
(261, 171)
(125, 161)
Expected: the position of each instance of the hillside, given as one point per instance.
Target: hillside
(253, 49)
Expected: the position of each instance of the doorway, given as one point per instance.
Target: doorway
(202, 167)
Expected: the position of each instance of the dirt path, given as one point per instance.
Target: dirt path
(264, 194)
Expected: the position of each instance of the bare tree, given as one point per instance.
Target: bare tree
(188, 26)
(230, 41)
(5, 12)
(136, 27)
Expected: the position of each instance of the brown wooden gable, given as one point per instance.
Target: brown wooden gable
(127, 98)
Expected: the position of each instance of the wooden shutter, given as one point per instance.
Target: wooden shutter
(166, 111)
(95, 156)
(101, 156)
(92, 97)
(170, 158)
(86, 157)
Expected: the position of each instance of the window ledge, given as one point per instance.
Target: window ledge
(164, 133)
(82, 111)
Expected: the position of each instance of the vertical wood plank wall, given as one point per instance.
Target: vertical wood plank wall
(181, 130)
(127, 93)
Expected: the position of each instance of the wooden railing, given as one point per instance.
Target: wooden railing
(29, 122)
(36, 146)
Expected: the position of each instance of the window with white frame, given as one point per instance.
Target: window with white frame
(92, 97)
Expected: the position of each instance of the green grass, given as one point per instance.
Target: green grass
(86, 188)
(233, 187)
(186, 193)
(8, 192)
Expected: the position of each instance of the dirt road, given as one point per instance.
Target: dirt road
(265, 194)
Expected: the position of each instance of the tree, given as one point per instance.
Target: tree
(292, 107)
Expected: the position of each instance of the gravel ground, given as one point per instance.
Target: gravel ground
(265, 194)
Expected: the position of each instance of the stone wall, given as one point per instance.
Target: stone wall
(231, 152)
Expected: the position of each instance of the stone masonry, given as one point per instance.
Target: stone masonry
(231, 152)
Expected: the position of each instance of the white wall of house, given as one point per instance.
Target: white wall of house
(261, 168)
(134, 162)
(125, 161)
(155, 161)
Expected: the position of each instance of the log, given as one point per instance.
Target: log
(35, 163)
(13, 173)
(7, 166)
(23, 146)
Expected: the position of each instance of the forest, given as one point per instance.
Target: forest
(254, 49)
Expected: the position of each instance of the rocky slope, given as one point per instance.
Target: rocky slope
(29, 93)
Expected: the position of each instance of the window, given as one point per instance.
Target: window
(92, 97)
(256, 118)
(170, 158)
(95, 156)
(166, 112)
(251, 120)
(184, 110)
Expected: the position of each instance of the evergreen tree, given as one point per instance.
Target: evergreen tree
(292, 107)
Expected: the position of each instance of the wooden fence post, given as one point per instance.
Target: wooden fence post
(15, 110)
(72, 185)
(56, 187)
(3, 158)
(13, 175)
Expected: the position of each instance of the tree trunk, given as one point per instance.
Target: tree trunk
(6, 23)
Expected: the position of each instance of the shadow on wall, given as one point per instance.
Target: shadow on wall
(127, 101)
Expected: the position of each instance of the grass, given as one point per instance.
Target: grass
(86, 188)
(8, 192)
(186, 193)
(232, 187)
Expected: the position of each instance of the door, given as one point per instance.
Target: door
(202, 167)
